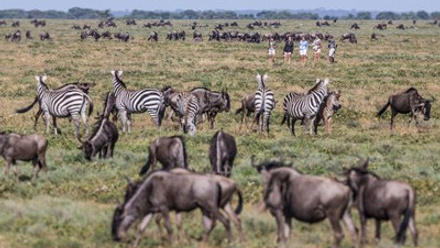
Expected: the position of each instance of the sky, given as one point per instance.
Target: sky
(172, 5)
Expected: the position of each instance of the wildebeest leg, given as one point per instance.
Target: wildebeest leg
(208, 223)
(363, 228)
(179, 225)
(236, 219)
(287, 227)
(393, 114)
(141, 228)
(413, 229)
(166, 215)
(337, 230)
(15, 170)
(7, 166)
(218, 215)
(280, 225)
(377, 236)
(36, 168)
(395, 220)
(348, 220)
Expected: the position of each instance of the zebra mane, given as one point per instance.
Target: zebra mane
(200, 88)
(261, 81)
(116, 76)
(41, 79)
(318, 84)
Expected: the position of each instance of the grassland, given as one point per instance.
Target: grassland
(72, 205)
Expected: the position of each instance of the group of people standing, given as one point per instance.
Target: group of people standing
(303, 48)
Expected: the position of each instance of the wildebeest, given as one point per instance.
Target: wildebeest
(122, 37)
(311, 199)
(3, 23)
(16, 36)
(328, 107)
(354, 26)
(102, 141)
(197, 36)
(247, 107)
(407, 102)
(105, 133)
(131, 22)
(381, 200)
(170, 151)
(45, 36)
(28, 34)
(31, 147)
(222, 153)
(16, 24)
(350, 37)
(401, 26)
(380, 26)
(211, 102)
(153, 36)
(162, 192)
(38, 23)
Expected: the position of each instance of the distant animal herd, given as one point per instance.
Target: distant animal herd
(287, 193)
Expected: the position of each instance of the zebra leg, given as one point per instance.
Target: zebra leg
(77, 125)
(311, 125)
(123, 114)
(292, 126)
(37, 116)
(55, 125)
(129, 123)
(47, 121)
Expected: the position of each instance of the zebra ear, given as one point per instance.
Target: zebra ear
(265, 77)
(112, 72)
(37, 78)
(119, 73)
(318, 80)
(43, 78)
(258, 78)
(326, 81)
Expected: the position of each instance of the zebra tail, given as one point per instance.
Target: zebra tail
(26, 109)
(161, 114)
(382, 110)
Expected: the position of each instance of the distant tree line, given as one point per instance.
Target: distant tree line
(84, 13)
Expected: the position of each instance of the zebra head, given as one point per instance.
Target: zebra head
(116, 74)
(190, 128)
(261, 81)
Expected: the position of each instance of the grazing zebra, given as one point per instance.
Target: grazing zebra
(136, 101)
(264, 103)
(304, 106)
(186, 107)
(328, 107)
(66, 103)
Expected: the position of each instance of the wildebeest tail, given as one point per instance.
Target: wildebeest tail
(161, 113)
(91, 104)
(382, 110)
(26, 109)
(240, 202)
(185, 156)
(240, 110)
(409, 213)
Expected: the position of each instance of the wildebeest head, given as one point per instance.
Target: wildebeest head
(357, 176)
(118, 217)
(426, 109)
(226, 100)
(88, 149)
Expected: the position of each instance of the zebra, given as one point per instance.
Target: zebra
(328, 107)
(304, 106)
(61, 103)
(136, 101)
(264, 103)
(185, 105)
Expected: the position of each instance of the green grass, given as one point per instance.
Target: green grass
(72, 205)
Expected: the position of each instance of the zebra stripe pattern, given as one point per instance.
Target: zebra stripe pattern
(68, 103)
(305, 106)
(130, 102)
(264, 103)
(186, 107)
(328, 107)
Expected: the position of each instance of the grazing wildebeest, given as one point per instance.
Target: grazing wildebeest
(350, 37)
(16, 24)
(311, 199)
(23, 147)
(170, 151)
(222, 153)
(211, 102)
(131, 22)
(153, 36)
(380, 26)
(76, 26)
(407, 102)
(122, 37)
(197, 36)
(45, 36)
(3, 23)
(102, 141)
(28, 34)
(383, 200)
(401, 26)
(162, 192)
(247, 107)
(16, 36)
(354, 26)
(328, 107)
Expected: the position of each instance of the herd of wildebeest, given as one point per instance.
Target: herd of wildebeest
(287, 193)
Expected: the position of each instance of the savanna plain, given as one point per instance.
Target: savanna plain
(72, 205)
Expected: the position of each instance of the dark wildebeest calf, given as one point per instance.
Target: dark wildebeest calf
(311, 199)
(23, 147)
(383, 200)
(222, 153)
(162, 192)
(407, 102)
(328, 107)
(170, 151)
